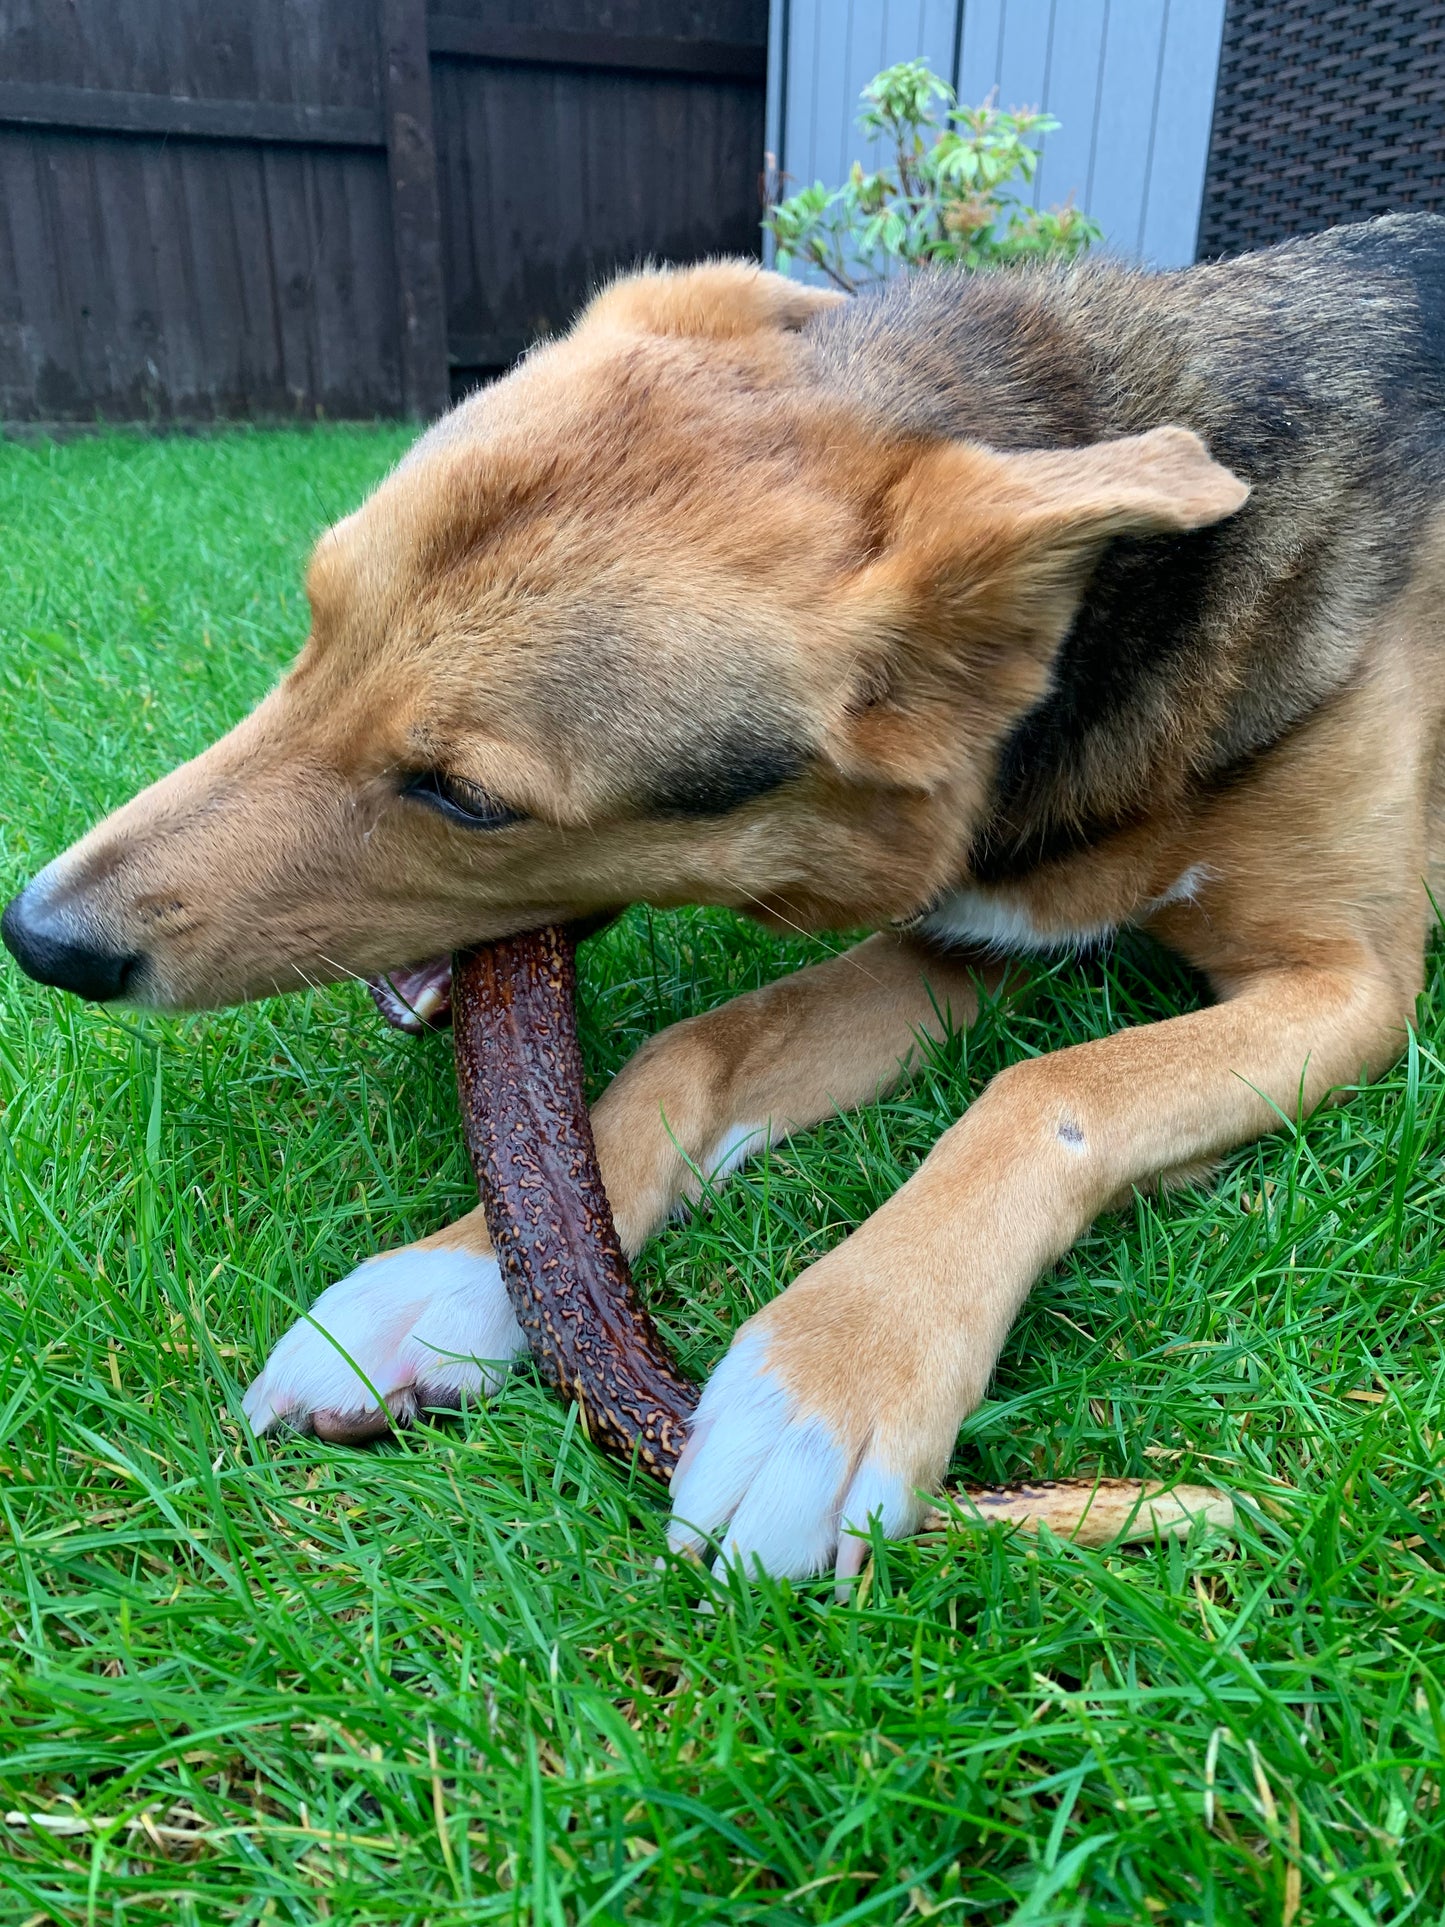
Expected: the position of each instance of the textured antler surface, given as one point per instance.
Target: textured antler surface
(520, 1077)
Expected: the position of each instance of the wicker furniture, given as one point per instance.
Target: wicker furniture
(1324, 113)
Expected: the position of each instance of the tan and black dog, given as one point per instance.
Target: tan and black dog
(994, 612)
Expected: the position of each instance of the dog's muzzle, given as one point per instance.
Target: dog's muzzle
(54, 947)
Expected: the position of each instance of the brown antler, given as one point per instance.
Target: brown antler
(520, 1077)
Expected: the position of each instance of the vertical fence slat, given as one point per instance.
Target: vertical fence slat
(1072, 97)
(1132, 82)
(1181, 139)
(415, 214)
(980, 49)
(1128, 91)
(775, 105)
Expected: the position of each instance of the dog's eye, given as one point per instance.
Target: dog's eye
(460, 801)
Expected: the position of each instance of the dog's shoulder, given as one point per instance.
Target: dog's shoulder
(1314, 370)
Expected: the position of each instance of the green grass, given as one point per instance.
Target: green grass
(442, 1681)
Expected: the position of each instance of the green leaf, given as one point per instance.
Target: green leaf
(952, 196)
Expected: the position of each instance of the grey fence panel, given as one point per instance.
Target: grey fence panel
(1006, 47)
(833, 49)
(1063, 77)
(1126, 118)
(1130, 81)
(1181, 146)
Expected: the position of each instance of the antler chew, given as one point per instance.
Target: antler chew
(519, 1072)
(1092, 1512)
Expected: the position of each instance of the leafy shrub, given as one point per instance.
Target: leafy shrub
(949, 196)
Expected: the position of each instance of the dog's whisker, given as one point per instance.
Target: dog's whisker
(802, 929)
(342, 970)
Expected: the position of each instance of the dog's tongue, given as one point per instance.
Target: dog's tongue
(416, 998)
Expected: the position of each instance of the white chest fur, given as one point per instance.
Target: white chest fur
(1004, 920)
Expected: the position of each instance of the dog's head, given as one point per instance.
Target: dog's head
(661, 617)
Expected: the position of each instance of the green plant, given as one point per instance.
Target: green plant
(950, 195)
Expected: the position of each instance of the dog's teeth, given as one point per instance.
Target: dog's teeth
(415, 999)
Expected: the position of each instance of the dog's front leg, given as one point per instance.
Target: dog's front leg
(841, 1400)
(431, 1325)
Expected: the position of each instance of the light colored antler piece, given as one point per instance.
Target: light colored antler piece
(1090, 1512)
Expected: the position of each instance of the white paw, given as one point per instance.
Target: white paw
(407, 1331)
(776, 1484)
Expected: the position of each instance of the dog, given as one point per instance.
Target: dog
(992, 613)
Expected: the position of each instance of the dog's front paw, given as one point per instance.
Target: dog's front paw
(793, 1452)
(420, 1328)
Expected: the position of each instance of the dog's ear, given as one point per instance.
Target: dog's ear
(981, 561)
(719, 299)
(1004, 544)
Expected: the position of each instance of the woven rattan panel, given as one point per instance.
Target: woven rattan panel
(1324, 113)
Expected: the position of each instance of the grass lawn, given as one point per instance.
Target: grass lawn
(441, 1681)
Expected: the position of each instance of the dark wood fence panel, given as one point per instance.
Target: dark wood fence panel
(164, 280)
(416, 222)
(574, 139)
(635, 166)
(295, 52)
(195, 196)
(345, 207)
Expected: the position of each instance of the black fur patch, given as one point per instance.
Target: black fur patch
(725, 774)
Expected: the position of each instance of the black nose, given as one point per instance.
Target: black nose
(50, 950)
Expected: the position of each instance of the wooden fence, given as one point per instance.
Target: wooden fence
(1130, 81)
(293, 208)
